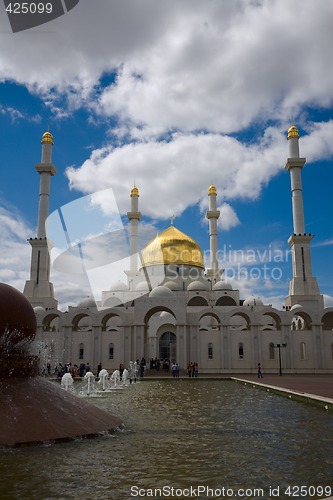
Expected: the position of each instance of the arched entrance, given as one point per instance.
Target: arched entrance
(167, 346)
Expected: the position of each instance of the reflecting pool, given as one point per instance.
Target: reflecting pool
(181, 434)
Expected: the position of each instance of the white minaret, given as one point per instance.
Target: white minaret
(294, 165)
(46, 169)
(213, 215)
(134, 216)
(303, 288)
(39, 289)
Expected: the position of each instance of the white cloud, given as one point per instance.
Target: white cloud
(317, 145)
(187, 65)
(173, 175)
(219, 68)
(328, 301)
(14, 256)
(228, 217)
(16, 115)
(325, 243)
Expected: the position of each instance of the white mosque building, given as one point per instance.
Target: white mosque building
(173, 308)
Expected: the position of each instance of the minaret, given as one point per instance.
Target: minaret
(212, 215)
(303, 288)
(134, 216)
(39, 289)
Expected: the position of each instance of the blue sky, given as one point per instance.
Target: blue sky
(174, 96)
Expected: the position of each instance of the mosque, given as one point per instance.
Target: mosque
(172, 307)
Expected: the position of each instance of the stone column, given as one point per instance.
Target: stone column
(317, 335)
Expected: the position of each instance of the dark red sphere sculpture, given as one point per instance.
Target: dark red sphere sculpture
(33, 409)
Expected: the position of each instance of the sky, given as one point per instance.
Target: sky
(173, 97)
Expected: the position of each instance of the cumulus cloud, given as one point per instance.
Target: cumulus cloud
(171, 175)
(221, 67)
(228, 217)
(186, 65)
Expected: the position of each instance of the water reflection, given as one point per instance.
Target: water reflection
(181, 433)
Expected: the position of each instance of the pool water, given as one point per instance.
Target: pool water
(181, 434)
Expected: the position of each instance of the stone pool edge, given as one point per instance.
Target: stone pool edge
(319, 401)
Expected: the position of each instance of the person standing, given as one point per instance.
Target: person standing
(260, 371)
(174, 370)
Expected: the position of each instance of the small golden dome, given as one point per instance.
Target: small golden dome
(172, 247)
(135, 191)
(47, 138)
(212, 190)
(293, 132)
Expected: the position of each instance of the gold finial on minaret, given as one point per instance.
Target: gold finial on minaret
(293, 132)
(135, 191)
(212, 190)
(47, 138)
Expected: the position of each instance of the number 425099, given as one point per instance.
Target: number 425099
(29, 8)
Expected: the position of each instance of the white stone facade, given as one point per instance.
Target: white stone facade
(220, 338)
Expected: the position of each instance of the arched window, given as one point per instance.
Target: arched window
(225, 301)
(210, 350)
(111, 351)
(271, 351)
(241, 350)
(81, 351)
(167, 346)
(303, 350)
(197, 301)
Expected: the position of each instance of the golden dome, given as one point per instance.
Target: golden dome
(172, 247)
(47, 138)
(212, 190)
(293, 132)
(135, 191)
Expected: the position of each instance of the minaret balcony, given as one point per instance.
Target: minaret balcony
(213, 214)
(134, 215)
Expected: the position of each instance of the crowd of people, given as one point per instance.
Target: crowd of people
(60, 370)
(160, 364)
(140, 367)
(192, 369)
